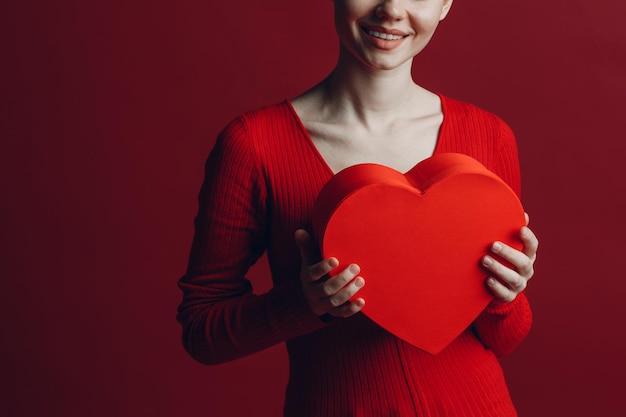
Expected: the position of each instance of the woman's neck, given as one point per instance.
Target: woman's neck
(356, 93)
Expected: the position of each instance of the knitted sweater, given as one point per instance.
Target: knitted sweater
(262, 178)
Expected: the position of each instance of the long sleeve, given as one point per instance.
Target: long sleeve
(502, 328)
(222, 319)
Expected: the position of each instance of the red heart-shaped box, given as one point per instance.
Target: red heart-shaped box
(418, 238)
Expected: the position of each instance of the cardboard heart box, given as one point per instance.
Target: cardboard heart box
(418, 238)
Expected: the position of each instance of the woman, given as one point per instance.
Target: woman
(261, 181)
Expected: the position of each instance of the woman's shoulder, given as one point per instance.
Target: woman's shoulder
(263, 133)
(258, 124)
(476, 132)
(468, 113)
(469, 123)
(270, 116)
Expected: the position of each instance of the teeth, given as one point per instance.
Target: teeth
(386, 36)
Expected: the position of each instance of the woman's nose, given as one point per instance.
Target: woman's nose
(391, 9)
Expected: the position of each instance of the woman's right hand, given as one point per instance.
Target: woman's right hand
(328, 295)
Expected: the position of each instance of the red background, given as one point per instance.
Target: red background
(109, 109)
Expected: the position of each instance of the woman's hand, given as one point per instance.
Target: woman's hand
(507, 282)
(328, 295)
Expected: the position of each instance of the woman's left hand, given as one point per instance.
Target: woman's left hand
(506, 282)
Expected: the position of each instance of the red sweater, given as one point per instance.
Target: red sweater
(261, 181)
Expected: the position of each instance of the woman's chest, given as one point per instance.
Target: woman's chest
(400, 146)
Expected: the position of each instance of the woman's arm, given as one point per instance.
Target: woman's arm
(507, 320)
(221, 318)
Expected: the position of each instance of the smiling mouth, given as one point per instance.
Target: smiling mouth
(384, 36)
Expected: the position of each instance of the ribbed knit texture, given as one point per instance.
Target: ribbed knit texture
(261, 181)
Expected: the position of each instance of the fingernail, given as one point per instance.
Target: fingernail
(333, 263)
(487, 260)
(355, 269)
(359, 282)
(497, 246)
(491, 282)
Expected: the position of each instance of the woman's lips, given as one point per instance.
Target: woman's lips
(383, 38)
(384, 33)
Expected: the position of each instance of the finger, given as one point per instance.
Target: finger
(319, 270)
(527, 217)
(312, 269)
(348, 309)
(307, 248)
(339, 281)
(531, 243)
(501, 292)
(344, 294)
(505, 275)
(520, 260)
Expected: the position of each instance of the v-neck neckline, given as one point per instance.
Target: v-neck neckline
(327, 167)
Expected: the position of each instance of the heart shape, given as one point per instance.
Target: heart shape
(418, 238)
